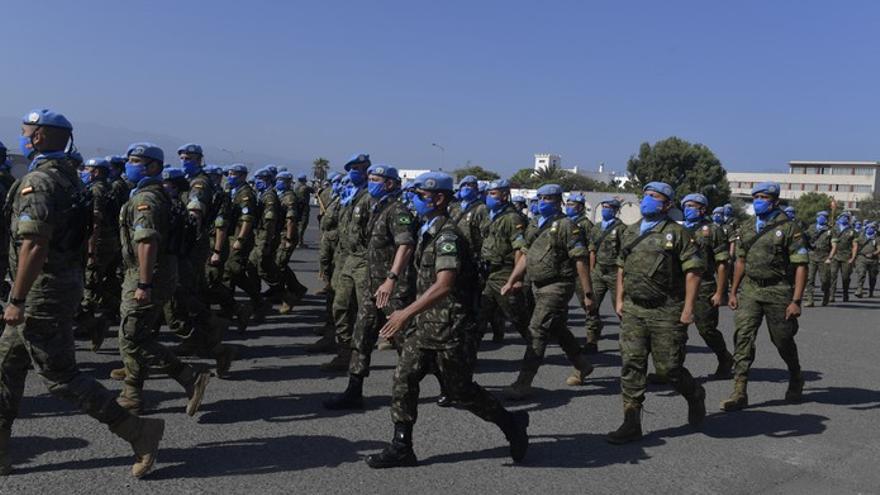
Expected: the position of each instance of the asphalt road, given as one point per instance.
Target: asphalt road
(264, 430)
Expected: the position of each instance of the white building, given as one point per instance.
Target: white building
(544, 160)
(848, 182)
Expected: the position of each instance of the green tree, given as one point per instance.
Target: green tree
(811, 203)
(523, 178)
(685, 166)
(320, 167)
(550, 174)
(870, 208)
(477, 171)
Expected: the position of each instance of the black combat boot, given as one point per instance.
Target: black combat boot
(515, 427)
(795, 387)
(631, 429)
(399, 453)
(697, 406)
(351, 398)
(591, 348)
(725, 366)
(5, 465)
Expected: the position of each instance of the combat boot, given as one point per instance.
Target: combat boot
(144, 435)
(725, 366)
(97, 330)
(130, 399)
(261, 309)
(272, 294)
(243, 316)
(339, 362)
(583, 369)
(521, 388)
(809, 303)
(739, 399)
(117, 374)
(399, 453)
(5, 465)
(351, 398)
(826, 298)
(631, 429)
(591, 348)
(224, 355)
(795, 388)
(284, 308)
(326, 344)
(194, 382)
(697, 406)
(515, 427)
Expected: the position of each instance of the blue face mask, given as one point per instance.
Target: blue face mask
(843, 222)
(533, 207)
(85, 176)
(870, 232)
(409, 195)
(357, 177)
(190, 167)
(135, 172)
(718, 218)
(571, 212)
(762, 206)
(422, 206)
(692, 214)
(607, 214)
(281, 185)
(494, 203)
(823, 220)
(728, 212)
(468, 193)
(547, 208)
(651, 207)
(790, 215)
(232, 181)
(376, 189)
(261, 185)
(26, 146)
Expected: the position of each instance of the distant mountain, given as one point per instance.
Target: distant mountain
(100, 140)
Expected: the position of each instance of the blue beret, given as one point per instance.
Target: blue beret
(285, 175)
(482, 187)
(172, 173)
(190, 148)
(47, 118)
(467, 179)
(98, 162)
(117, 160)
(789, 209)
(240, 168)
(719, 209)
(769, 188)
(434, 181)
(822, 213)
(612, 202)
(213, 170)
(302, 177)
(577, 198)
(146, 150)
(518, 199)
(263, 172)
(660, 187)
(355, 159)
(696, 198)
(335, 176)
(498, 184)
(386, 171)
(550, 190)
(271, 168)
(409, 185)
(75, 156)
(844, 214)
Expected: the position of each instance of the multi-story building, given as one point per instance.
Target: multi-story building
(847, 182)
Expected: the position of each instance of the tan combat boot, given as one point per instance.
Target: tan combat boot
(144, 435)
(118, 374)
(194, 382)
(130, 399)
(583, 369)
(521, 388)
(5, 466)
(631, 429)
(739, 399)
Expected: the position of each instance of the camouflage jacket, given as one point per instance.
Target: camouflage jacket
(714, 248)
(819, 242)
(353, 221)
(243, 207)
(866, 248)
(505, 235)
(206, 198)
(146, 217)
(552, 249)
(607, 243)
(844, 241)
(104, 207)
(289, 210)
(390, 226)
(471, 222)
(770, 258)
(266, 229)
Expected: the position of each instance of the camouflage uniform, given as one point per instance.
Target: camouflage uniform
(43, 205)
(237, 271)
(99, 293)
(866, 264)
(303, 194)
(586, 227)
(820, 248)
(471, 222)
(840, 263)
(605, 245)
(715, 249)
(438, 335)
(289, 212)
(390, 226)
(654, 272)
(266, 239)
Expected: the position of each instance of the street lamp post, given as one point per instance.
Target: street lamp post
(442, 155)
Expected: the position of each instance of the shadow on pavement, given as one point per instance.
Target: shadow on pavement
(281, 409)
(25, 449)
(751, 423)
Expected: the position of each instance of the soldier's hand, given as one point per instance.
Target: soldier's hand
(13, 314)
(142, 296)
(716, 299)
(215, 259)
(828, 261)
(732, 302)
(383, 293)
(509, 288)
(396, 322)
(286, 245)
(236, 245)
(588, 303)
(618, 308)
(687, 317)
(793, 310)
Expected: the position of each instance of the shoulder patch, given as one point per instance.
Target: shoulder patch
(404, 219)
(446, 247)
(27, 190)
(199, 185)
(143, 207)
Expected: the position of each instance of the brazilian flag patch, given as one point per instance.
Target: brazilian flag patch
(447, 248)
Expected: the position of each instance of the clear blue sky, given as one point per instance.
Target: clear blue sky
(760, 82)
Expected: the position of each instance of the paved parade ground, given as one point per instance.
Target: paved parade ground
(264, 430)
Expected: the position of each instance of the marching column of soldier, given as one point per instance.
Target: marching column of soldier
(426, 268)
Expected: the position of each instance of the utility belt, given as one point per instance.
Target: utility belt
(554, 280)
(768, 282)
(650, 303)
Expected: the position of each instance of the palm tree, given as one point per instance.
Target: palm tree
(320, 167)
(550, 173)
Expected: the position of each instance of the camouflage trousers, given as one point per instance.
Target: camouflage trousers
(456, 376)
(102, 284)
(370, 320)
(349, 288)
(866, 268)
(303, 223)
(513, 306)
(659, 332)
(706, 320)
(45, 340)
(286, 276)
(604, 278)
(755, 305)
(549, 320)
(138, 346)
(262, 259)
(822, 270)
(239, 272)
(845, 270)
